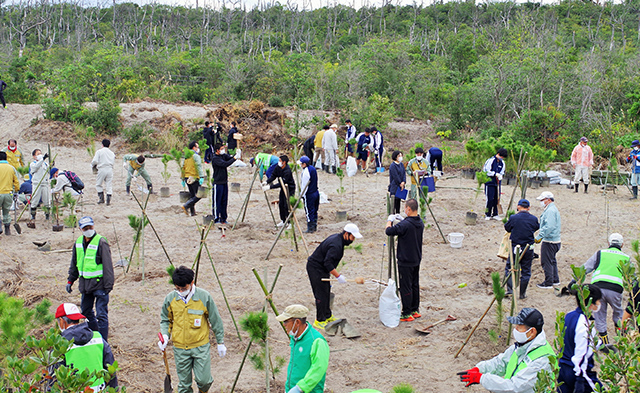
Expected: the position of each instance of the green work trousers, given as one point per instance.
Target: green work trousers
(197, 359)
(5, 204)
(414, 193)
(142, 172)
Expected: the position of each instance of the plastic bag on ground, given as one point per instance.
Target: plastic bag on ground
(323, 197)
(352, 166)
(390, 306)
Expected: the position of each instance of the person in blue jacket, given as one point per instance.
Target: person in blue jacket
(434, 157)
(494, 168)
(522, 226)
(364, 143)
(397, 179)
(634, 159)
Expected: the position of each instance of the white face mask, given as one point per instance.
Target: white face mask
(293, 333)
(419, 158)
(89, 233)
(39, 157)
(520, 337)
(636, 148)
(197, 151)
(399, 158)
(597, 308)
(543, 204)
(281, 164)
(184, 293)
(222, 151)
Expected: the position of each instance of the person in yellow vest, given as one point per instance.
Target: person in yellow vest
(193, 178)
(91, 265)
(319, 151)
(88, 352)
(14, 155)
(136, 163)
(417, 167)
(9, 186)
(187, 315)
(516, 369)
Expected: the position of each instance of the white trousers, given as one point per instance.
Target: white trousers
(105, 175)
(582, 173)
(331, 159)
(41, 192)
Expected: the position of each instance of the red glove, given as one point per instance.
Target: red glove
(471, 377)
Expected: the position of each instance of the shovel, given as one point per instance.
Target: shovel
(167, 380)
(426, 330)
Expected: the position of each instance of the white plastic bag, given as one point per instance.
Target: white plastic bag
(352, 166)
(390, 306)
(323, 197)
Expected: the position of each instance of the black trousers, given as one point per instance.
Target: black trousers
(321, 291)
(4, 104)
(525, 270)
(549, 262)
(396, 204)
(409, 288)
(283, 205)
(492, 200)
(193, 190)
(435, 162)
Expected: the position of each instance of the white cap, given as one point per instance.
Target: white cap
(353, 229)
(616, 238)
(545, 195)
(334, 125)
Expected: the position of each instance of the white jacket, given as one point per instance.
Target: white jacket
(330, 140)
(104, 158)
(39, 170)
(494, 369)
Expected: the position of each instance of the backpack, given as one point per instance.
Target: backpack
(76, 183)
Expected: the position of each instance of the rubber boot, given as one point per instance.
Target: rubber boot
(150, 188)
(523, 290)
(108, 200)
(604, 337)
(129, 190)
(333, 169)
(192, 209)
(635, 192)
(576, 187)
(33, 214)
(46, 216)
(309, 228)
(586, 186)
(100, 197)
(7, 229)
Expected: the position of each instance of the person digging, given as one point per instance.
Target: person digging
(134, 163)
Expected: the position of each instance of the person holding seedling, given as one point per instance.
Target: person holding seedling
(193, 178)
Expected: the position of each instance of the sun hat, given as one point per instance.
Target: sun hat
(353, 229)
(293, 311)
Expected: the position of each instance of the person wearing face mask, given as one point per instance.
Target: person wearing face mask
(136, 163)
(15, 157)
(397, 179)
(582, 161)
(309, 357)
(549, 236)
(522, 227)
(377, 146)
(220, 162)
(88, 352)
(516, 369)
(363, 149)
(322, 264)
(193, 178)
(39, 169)
(494, 168)
(282, 171)
(634, 159)
(187, 314)
(91, 265)
(420, 167)
(576, 364)
(103, 161)
(330, 146)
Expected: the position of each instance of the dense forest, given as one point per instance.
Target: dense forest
(543, 74)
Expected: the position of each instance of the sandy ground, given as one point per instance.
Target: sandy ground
(382, 357)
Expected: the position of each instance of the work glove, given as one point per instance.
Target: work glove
(392, 218)
(295, 389)
(68, 287)
(399, 217)
(184, 184)
(341, 279)
(264, 183)
(201, 180)
(222, 350)
(162, 344)
(45, 156)
(499, 176)
(238, 154)
(471, 377)
(266, 188)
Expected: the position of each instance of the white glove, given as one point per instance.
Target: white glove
(266, 188)
(125, 165)
(391, 218)
(399, 217)
(163, 345)
(295, 389)
(499, 176)
(341, 279)
(222, 350)
(238, 154)
(264, 183)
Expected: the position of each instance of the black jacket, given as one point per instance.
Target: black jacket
(409, 232)
(287, 178)
(328, 254)
(232, 143)
(103, 257)
(309, 146)
(3, 85)
(212, 136)
(220, 162)
(522, 226)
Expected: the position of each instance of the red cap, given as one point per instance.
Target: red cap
(70, 311)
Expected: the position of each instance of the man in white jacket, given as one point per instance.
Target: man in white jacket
(104, 161)
(516, 369)
(330, 146)
(39, 172)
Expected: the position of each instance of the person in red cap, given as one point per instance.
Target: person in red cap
(88, 352)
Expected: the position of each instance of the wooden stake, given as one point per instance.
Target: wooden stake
(285, 223)
(293, 213)
(444, 239)
(243, 208)
(137, 233)
(144, 212)
(222, 290)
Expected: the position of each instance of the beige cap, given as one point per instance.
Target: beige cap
(293, 311)
(334, 125)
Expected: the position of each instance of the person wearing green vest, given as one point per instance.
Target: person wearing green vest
(134, 163)
(88, 352)
(516, 369)
(193, 176)
(266, 162)
(309, 359)
(91, 265)
(604, 266)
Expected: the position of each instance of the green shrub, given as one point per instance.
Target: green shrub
(403, 388)
(194, 94)
(276, 101)
(59, 109)
(105, 118)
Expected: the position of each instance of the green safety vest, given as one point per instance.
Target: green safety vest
(88, 356)
(86, 263)
(608, 269)
(513, 367)
(264, 160)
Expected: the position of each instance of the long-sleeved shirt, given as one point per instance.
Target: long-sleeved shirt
(63, 184)
(310, 177)
(232, 143)
(39, 169)
(550, 224)
(3, 86)
(8, 178)
(634, 159)
(104, 159)
(103, 257)
(377, 141)
(577, 351)
(15, 157)
(522, 226)
(220, 163)
(330, 140)
(328, 254)
(308, 362)
(582, 156)
(397, 175)
(364, 143)
(287, 179)
(351, 133)
(493, 167)
(418, 166)
(319, 138)
(409, 232)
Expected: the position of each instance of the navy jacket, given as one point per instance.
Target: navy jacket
(287, 179)
(409, 232)
(232, 143)
(493, 166)
(522, 226)
(361, 142)
(397, 175)
(220, 162)
(328, 254)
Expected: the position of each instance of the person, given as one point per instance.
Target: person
(207, 134)
(24, 194)
(193, 178)
(549, 236)
(576, 363)
(418, 166)
(103, 160)
(220, 162)
(377, 142)
(15, 157)
(582, 161)
(322, 264)
(522, 226)
(9, 185)
(319, 152)
(282, 171)
(311, 196)
(267, 163)
(409, 232)
(92, 267)
(136, 163)
(364, 146)
(232, 143)
(516, 369)
(308, 146)
(434, 157)
(187, 314)
(3, 85)
(604, 265)
(330, 146)
(39, 170)
(633, 306)
(397, 179)
(494, 168)
(634, 159)
(63, 184)
(351, 134)
(89, 350)
(309, 357)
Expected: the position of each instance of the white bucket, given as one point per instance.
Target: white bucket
(455, 239)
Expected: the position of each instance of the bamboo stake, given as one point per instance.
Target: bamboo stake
(203, 238)
(285, 223)
(268, 298)
(430, 211)
(304, 241)
(137, 234)
(270, 209)
(246, 199)
(144, 212)
(389, 238)
(266, 345)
